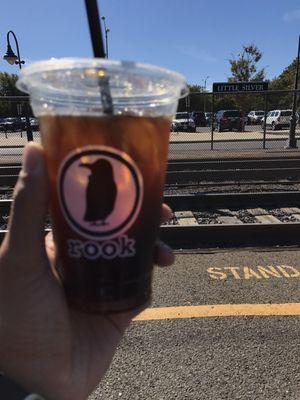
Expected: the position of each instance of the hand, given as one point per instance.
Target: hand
(45, 346)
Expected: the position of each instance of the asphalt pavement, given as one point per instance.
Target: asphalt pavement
(168, 354)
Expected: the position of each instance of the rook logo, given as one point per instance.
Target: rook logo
(100, 192)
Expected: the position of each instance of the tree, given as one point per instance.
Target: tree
(8, 85)
(284, 81)
(195, 102)
(244, 68)
(8, 88)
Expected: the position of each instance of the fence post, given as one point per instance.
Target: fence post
(212, 121)
(265, 118)
(28, 125)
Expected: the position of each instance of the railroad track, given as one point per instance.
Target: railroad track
(204, 171)
(210, 220)
(209, 171)
(233, 220)
(222, 221)
(241, 163)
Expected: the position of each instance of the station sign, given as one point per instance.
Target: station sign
(232, 87)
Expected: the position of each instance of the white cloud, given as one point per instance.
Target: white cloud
(196, 53)
(291, 15)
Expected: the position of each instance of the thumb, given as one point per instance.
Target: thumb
(29, 208)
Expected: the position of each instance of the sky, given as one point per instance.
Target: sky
(193, 37)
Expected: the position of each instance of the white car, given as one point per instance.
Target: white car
(278, 119)
(183, 123)
(255, 117)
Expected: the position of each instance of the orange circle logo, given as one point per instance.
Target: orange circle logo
(100, 191)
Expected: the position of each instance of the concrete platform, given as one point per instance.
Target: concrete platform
(185, 354)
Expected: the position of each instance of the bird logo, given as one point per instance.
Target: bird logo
(100, 191)
(100, 203)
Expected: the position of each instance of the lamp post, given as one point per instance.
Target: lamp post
(12, 59)
(106, 30)
(292, 142)
(205, 80)
(10, 56)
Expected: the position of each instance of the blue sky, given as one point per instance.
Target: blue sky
(194, 37)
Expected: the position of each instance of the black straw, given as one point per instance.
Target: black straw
(98, 49)
(95, 28)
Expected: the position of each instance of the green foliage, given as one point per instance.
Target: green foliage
(194, 102)
(8, 88)
(244, 67)
(285, 80)
(8, 85)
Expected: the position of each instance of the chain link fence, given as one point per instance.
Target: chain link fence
(17, 127)
(239, 121)
(204, 122)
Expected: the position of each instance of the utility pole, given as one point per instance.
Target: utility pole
(292, 142)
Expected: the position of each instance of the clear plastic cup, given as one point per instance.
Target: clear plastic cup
(105, 131)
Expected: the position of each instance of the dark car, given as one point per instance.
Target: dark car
(34, 122)
(198, 117)
(12, 124)
(229, 120)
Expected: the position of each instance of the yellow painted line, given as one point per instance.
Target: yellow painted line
(219, 310)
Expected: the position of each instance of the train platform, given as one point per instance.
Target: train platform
(230, 154)
(11, 148)
(222, 325)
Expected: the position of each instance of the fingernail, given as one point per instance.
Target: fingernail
(30, 159)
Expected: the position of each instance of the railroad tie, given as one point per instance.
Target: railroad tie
(257, 211)
(185, 218)
(232, 220)
(291, 210)
(226, 212)
(267, 219)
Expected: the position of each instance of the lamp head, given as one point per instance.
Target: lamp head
(10, 56)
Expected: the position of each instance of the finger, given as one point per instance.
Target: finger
(166, 213)
(29, 208)
(50, 246)
(164, 255)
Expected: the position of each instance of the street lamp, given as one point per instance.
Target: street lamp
(10, 56)
(12, 59)
(106, 30)
(205, 80)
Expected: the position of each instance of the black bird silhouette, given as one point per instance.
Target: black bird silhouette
(101, 192)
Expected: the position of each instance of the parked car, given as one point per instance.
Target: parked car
(278, 119)
(229, 120)
(208, 117)
(8, 125)
(183, 123)
(12, 124)
(255, 117)
(198, 117)
(34, 122)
